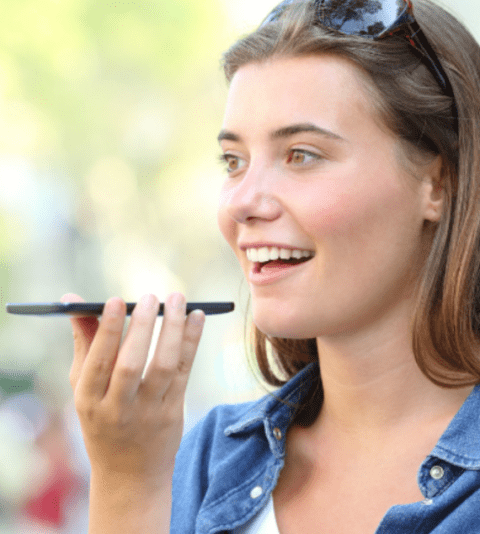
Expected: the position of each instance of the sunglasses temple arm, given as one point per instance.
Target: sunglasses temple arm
(420, 42)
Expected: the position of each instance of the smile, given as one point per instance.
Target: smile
(273, 270)
(266, 254)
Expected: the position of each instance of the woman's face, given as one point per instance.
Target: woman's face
(342, 195)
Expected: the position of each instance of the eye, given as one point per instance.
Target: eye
(232, 163)
(298, 156)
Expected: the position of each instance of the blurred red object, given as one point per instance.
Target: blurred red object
(48, 504)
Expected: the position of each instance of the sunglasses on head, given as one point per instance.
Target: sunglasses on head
(374, 19)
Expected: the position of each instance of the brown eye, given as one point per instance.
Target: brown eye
(300, 157)
(232, 163)
(297, 157)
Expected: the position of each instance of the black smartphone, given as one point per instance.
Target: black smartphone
(96, 308)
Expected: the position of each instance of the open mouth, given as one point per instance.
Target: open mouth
(276, 264)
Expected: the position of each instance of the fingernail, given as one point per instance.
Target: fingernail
(177, 301)
(114, 306)
(197, 317)
(147, 302)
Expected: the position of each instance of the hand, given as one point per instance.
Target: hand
(132, 426)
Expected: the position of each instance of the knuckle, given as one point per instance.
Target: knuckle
(99, 417)
(114, 418)
(167, 369)
(101, 366)
(111, 325)
(171, 367)
(128, 372)
(176, 320)
(112, 328)
(184, 366)
(192, 336)
(164, 368)
(84, 409)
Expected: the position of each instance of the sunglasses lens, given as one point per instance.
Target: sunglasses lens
(369, 18)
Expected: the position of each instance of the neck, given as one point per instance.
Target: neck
(373, 388)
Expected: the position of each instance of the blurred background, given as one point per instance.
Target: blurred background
(109, 182)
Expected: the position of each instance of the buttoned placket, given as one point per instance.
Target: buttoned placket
(258, 490)
(255, 492)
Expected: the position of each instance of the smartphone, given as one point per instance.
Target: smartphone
(96, 308)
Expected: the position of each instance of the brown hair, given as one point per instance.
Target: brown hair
(410, 103)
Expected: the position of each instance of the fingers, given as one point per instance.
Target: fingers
(133, 353)
(103, 363)
(175, 351)
(167, 352)
(84, 329)
(191, 339)
(97, 367)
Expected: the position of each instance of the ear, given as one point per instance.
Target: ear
(433, 190)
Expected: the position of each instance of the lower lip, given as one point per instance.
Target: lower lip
(272, 274)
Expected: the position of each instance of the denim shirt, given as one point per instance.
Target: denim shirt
(229, 463)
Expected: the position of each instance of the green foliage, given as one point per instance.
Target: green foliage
(80, 64)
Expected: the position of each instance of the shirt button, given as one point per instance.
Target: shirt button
(437, 472)
(256, 492)
(277, 433)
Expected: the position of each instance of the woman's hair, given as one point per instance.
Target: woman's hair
(409, 102)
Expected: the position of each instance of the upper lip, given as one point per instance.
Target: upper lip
(244, 246)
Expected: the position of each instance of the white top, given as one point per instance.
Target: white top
(263, 522)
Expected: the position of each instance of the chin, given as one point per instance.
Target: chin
(282, 327)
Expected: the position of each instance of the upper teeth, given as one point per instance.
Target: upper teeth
(264, 254)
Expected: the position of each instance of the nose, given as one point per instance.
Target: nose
(252, 196)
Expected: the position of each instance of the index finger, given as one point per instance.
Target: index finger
(84, 329)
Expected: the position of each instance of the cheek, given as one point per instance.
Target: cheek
(360, 198)
(359, 228)
(333, 212)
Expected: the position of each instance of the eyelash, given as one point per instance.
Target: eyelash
(225, 158)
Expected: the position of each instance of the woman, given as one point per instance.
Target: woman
(351, 202)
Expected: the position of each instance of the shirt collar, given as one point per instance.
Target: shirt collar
(458, 445)
(268, 407)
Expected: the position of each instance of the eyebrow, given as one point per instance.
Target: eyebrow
(287, 131)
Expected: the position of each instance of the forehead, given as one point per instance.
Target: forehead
(325, 89)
